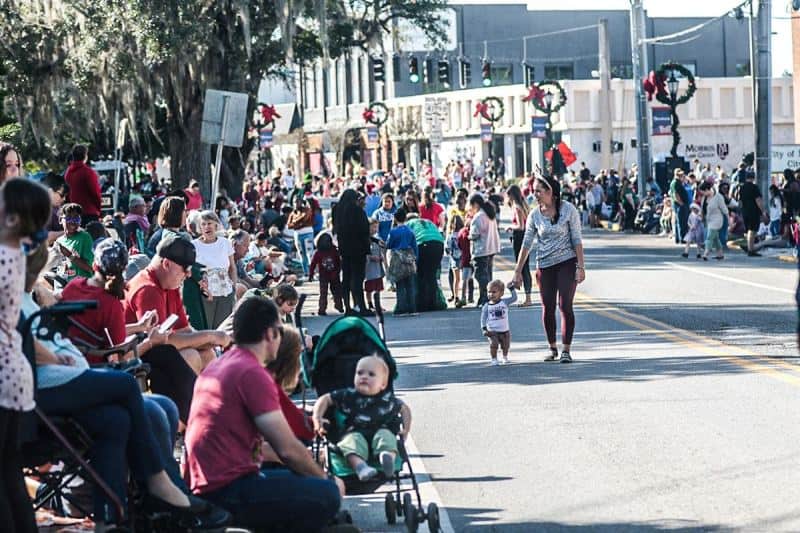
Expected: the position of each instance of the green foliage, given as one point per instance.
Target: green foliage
(70, 66)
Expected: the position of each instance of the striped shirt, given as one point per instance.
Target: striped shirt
(554, 243)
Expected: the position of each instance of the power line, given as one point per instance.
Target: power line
(684, 41)
(693, 29)
(532, 36)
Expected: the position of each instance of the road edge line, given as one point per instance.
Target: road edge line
(427, 488)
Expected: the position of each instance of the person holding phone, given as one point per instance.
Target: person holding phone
(75, 245)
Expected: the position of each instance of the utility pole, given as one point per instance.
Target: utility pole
(605, 94)
(763, 109)
(640, 68)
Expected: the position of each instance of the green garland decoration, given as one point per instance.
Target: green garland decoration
(560, 93)
(663, 96)
(499, 108)
(380, 113)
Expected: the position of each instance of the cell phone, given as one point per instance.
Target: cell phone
(167, 324)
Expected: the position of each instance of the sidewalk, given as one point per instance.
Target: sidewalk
(781, 254)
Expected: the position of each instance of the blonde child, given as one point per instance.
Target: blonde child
(370, 411)
(454, 226)
(696, 233)
(494, 319)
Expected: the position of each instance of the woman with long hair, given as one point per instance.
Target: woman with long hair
(520, 211)
(411, 201)
(10, 163)
(485, 240)
(351, 227)
(554, 228)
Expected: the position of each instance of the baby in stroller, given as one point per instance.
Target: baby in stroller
(371, 425)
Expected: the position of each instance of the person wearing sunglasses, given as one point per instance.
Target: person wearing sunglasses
(75, 245)
(10, 163)
(554, 229)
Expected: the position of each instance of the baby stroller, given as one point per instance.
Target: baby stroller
(647, 217)
(336, 354)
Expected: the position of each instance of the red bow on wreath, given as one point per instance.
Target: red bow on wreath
(535, 94)
(653, 84)
(482, 110)
(268, 113)
(368, 115)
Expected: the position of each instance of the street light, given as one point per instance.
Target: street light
(548, 103)
(673, 84)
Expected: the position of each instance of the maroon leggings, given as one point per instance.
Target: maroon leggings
(558, 280)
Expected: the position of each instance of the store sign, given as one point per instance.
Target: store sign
(706, 151)
(265, 139)
(486, 133)
(662, 121)
(539, 127)
(785, 156)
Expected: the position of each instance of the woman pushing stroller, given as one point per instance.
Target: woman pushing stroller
(371, 421)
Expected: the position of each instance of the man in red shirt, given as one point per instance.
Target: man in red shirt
(236, 423)
(84, 185)
(158, 288)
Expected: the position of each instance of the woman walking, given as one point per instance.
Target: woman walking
(555, 226)
(351, 227)
(485, 242)
(716, 213)
(520, 210)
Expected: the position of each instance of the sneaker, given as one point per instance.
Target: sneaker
(504, 361)
(494, 361)
(322, 313)
(565, 357)
(366, 472)
(460, 304)
(387, 464)
(553, 355)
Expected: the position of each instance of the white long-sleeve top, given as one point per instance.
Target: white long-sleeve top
(494, 316)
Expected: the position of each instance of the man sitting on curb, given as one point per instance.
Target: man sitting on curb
(236, 423)
(158, 288)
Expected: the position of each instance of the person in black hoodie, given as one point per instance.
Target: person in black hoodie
(351, 227)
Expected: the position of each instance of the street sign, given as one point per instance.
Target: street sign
(785, 156)
(224, 118)
(372, 135)
(662, 121)
(539, 127)
(265, 139)
(486, 133)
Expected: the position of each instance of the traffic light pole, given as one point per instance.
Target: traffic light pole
(640, 68)
(763, 109)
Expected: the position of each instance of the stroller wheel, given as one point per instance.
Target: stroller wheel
(410, 514)
(391, 509)
(433, 518)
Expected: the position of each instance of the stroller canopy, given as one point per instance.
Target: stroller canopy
(344, 342)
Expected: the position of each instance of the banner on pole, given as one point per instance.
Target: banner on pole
(662, 121)
(265, 139)
(539, 127)
(486, 133)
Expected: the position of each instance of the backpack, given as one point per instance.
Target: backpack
(402, 264)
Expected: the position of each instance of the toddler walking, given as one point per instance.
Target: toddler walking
(374, 272)
(327, 259)
(454, 226)
(494, 319)
(696, 234)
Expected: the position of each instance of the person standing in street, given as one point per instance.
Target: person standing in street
(485, 240)
(716, 213)
(752, 205)
(520, 211)
(84, 185)
(555, 226)
(680, 206)
(351, 227)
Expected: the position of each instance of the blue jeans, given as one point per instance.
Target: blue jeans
(300, 242)
(279, 500)
(723, 233)
(163, 415)
(406, 295)
(110, 407)
(680, 225)
(483, 275)
(775, 228)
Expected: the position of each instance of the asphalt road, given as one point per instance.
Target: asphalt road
(680, 412)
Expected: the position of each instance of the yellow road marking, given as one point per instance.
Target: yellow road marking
(733, 354)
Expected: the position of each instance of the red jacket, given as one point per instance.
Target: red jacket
(328, 262)
(84, 187)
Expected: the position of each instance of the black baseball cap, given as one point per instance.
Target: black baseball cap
(177, 250)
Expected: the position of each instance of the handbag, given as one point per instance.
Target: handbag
(402, 264)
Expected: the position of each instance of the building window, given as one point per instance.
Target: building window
(622, 71)
(743, 68)
(559, 72)
(502, 74)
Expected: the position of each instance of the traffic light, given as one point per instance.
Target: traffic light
(530, 74)
(427, 71)
(378, 72)
(464, 73)
(396, 67)
(444, 72)
(486, 73)
(413, 70)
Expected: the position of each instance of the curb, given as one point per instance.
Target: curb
(787, 258)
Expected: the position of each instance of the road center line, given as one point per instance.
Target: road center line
(728, 278)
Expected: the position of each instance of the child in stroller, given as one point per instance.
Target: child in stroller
(370, 412)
